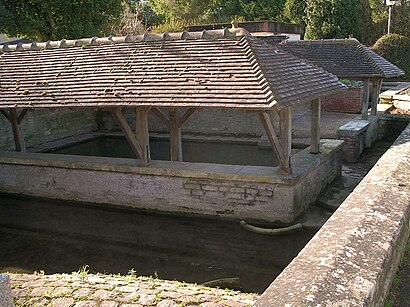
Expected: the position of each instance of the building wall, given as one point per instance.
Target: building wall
(349, 101)
(235, 192)
(41, 126)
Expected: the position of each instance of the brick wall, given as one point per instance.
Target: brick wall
(41, 126)
(349, 101)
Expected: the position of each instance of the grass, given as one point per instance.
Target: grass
(398, 278)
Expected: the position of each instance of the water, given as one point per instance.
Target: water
(61, 237)
(210, 152)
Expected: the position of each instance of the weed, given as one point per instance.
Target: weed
(83, 272)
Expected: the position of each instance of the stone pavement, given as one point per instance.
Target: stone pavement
(86, 290)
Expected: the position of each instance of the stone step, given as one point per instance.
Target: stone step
(337, 192)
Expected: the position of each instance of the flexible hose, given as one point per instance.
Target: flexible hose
(270, 231)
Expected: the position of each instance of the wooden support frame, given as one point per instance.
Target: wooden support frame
(315, 127)
(142, 133)
(285, 124)
(174, 123)
(365, 104)
(15, 120)
(132, 140)
(175, 135)
(284, 163)
(377, 84)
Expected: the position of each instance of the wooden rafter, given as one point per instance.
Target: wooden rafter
(132, 140)
(186, 116)
(160, 115)
(273, 139)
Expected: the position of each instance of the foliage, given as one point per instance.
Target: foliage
(172, 10)
(295, 12)
(130, 21)
(332, 19)
(56, 19)
(172, 26)
(396, 49)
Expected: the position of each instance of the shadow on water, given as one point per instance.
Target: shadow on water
(61, 237)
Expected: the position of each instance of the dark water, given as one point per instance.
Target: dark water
(236, 154)
(60, 237)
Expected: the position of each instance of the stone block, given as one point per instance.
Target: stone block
(6, 299)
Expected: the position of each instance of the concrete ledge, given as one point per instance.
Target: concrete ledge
(358, 134)
(258, 194)
(351, 261)
(6, 299)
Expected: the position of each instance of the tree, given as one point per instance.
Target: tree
(56, 19)
(295, 12)
(333, 19)
(396, 49)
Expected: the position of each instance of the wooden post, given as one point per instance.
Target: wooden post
(315, 127)
(365, 104)
(285, 123)
(142, 134)
(18, 135)
(175, 135)
(273, 139)
(375, 97)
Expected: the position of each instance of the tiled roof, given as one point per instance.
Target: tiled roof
(345, 58)
(197, 69)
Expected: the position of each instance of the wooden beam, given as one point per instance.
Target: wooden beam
(273, 139)
(17, 132)
(365, 104)
(141, 131)
(186, 116)
(175, 135)
(285, 116)
(6, 115)
(315, 127)
(375, 95)
(22, 115)
(160, 115)
(132, 140)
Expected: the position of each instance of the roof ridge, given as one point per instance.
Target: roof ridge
(258, 69)
(321, 41)
(146, 37)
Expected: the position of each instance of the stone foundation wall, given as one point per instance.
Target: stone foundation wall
(235, 192)
(41, 126)
(353, 258)
(349, 101)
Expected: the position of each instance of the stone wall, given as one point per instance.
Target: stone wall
(351, 261)
(41, 126)
(207, 121)
(235, 192)
(349, 101)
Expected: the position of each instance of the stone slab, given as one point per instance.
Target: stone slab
(353, 127)
(353, 258)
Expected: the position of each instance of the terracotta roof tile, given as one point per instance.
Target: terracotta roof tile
(345, 58)
(220, 71)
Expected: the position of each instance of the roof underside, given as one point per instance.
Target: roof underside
(221, 73)
(345, 58)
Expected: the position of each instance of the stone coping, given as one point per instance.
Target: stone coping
(81, 289)
(302, 163)
(352, 259)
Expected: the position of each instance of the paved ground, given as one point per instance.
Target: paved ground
(85, 290)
